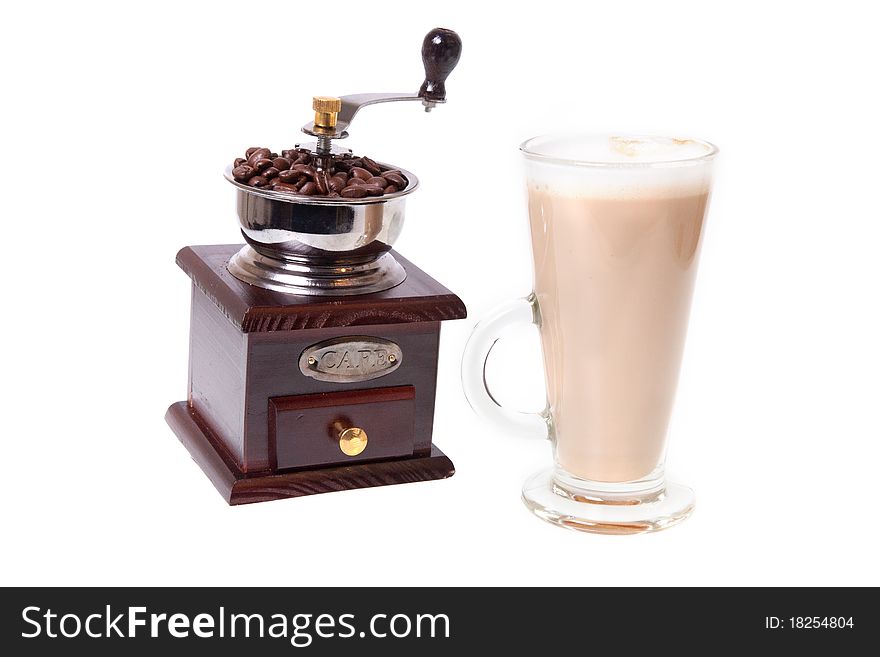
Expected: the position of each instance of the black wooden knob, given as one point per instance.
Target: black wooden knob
(441, 51)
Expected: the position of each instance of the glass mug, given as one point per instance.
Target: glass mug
(616, 228)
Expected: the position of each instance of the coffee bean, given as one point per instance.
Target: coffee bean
(259, 154)
(243, 172)
(321, 183)
(395, 178)
(354, 191)
(262, 164)
(371, 166)
(297, 170)
(305, 169)
(374, 190)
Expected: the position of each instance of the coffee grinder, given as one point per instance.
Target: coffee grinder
(313, 347)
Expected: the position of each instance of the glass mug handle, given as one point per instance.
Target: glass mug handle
(486, 333)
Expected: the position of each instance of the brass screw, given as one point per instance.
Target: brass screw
(312, 360)
(326, 108)
(392, 358)
(353, 441)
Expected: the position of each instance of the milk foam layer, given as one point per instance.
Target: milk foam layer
(617, 149)
(618, 166)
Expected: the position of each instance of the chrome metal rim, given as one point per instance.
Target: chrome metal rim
(310, 279)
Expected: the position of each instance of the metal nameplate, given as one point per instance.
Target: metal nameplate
(350, 359)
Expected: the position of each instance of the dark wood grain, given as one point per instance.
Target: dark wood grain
(253, 309)
(218, 357)
(301, 427)
(239, 488)
(273, 371)
(203, 446)
(245, 347)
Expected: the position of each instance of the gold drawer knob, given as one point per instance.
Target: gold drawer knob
(352, 441)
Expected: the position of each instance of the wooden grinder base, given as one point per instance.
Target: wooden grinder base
(252, 420)
(238, 488)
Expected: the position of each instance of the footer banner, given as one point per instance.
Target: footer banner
(432, 621)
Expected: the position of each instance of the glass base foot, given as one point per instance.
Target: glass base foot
(605, 511)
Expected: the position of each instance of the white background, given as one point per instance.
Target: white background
(117, 121)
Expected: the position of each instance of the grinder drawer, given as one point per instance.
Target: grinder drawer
(341, 427)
